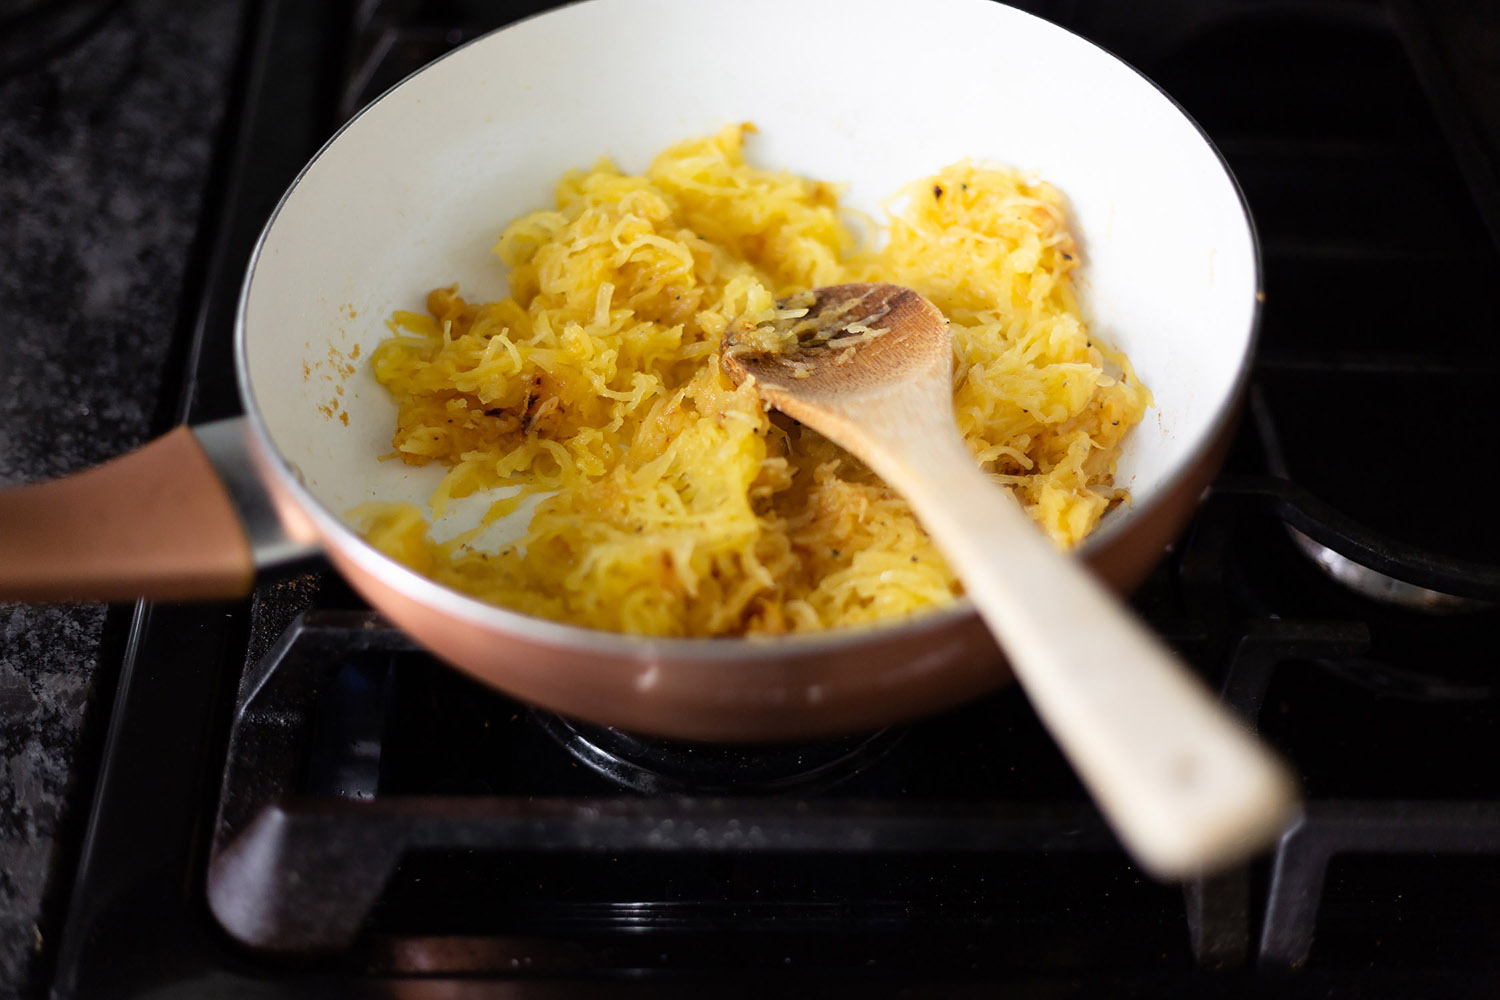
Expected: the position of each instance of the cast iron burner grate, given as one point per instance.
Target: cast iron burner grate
(351, 754)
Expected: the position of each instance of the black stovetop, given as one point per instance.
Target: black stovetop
(295, 800)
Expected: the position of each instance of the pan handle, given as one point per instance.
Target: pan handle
(183, 518)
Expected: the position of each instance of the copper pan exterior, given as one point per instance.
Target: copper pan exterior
(746, 690)
(411, 194)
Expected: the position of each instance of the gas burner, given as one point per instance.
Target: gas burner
(1377, 586)
(675, 767)
(1366, 560)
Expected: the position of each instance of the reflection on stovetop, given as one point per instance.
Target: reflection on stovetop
(380, 815)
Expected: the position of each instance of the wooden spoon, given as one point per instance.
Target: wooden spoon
(1186, 787)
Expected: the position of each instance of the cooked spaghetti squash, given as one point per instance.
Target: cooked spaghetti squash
(672, 503)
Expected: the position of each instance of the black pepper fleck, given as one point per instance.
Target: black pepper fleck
(937, 190)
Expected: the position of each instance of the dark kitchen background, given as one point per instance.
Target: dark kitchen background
(144, 751)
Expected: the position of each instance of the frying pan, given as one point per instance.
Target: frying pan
(411, 194)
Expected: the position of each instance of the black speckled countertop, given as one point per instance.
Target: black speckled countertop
(104, 154)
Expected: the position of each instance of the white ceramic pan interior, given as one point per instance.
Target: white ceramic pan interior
(870, 93)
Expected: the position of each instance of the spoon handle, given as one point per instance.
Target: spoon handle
(1186, 787)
